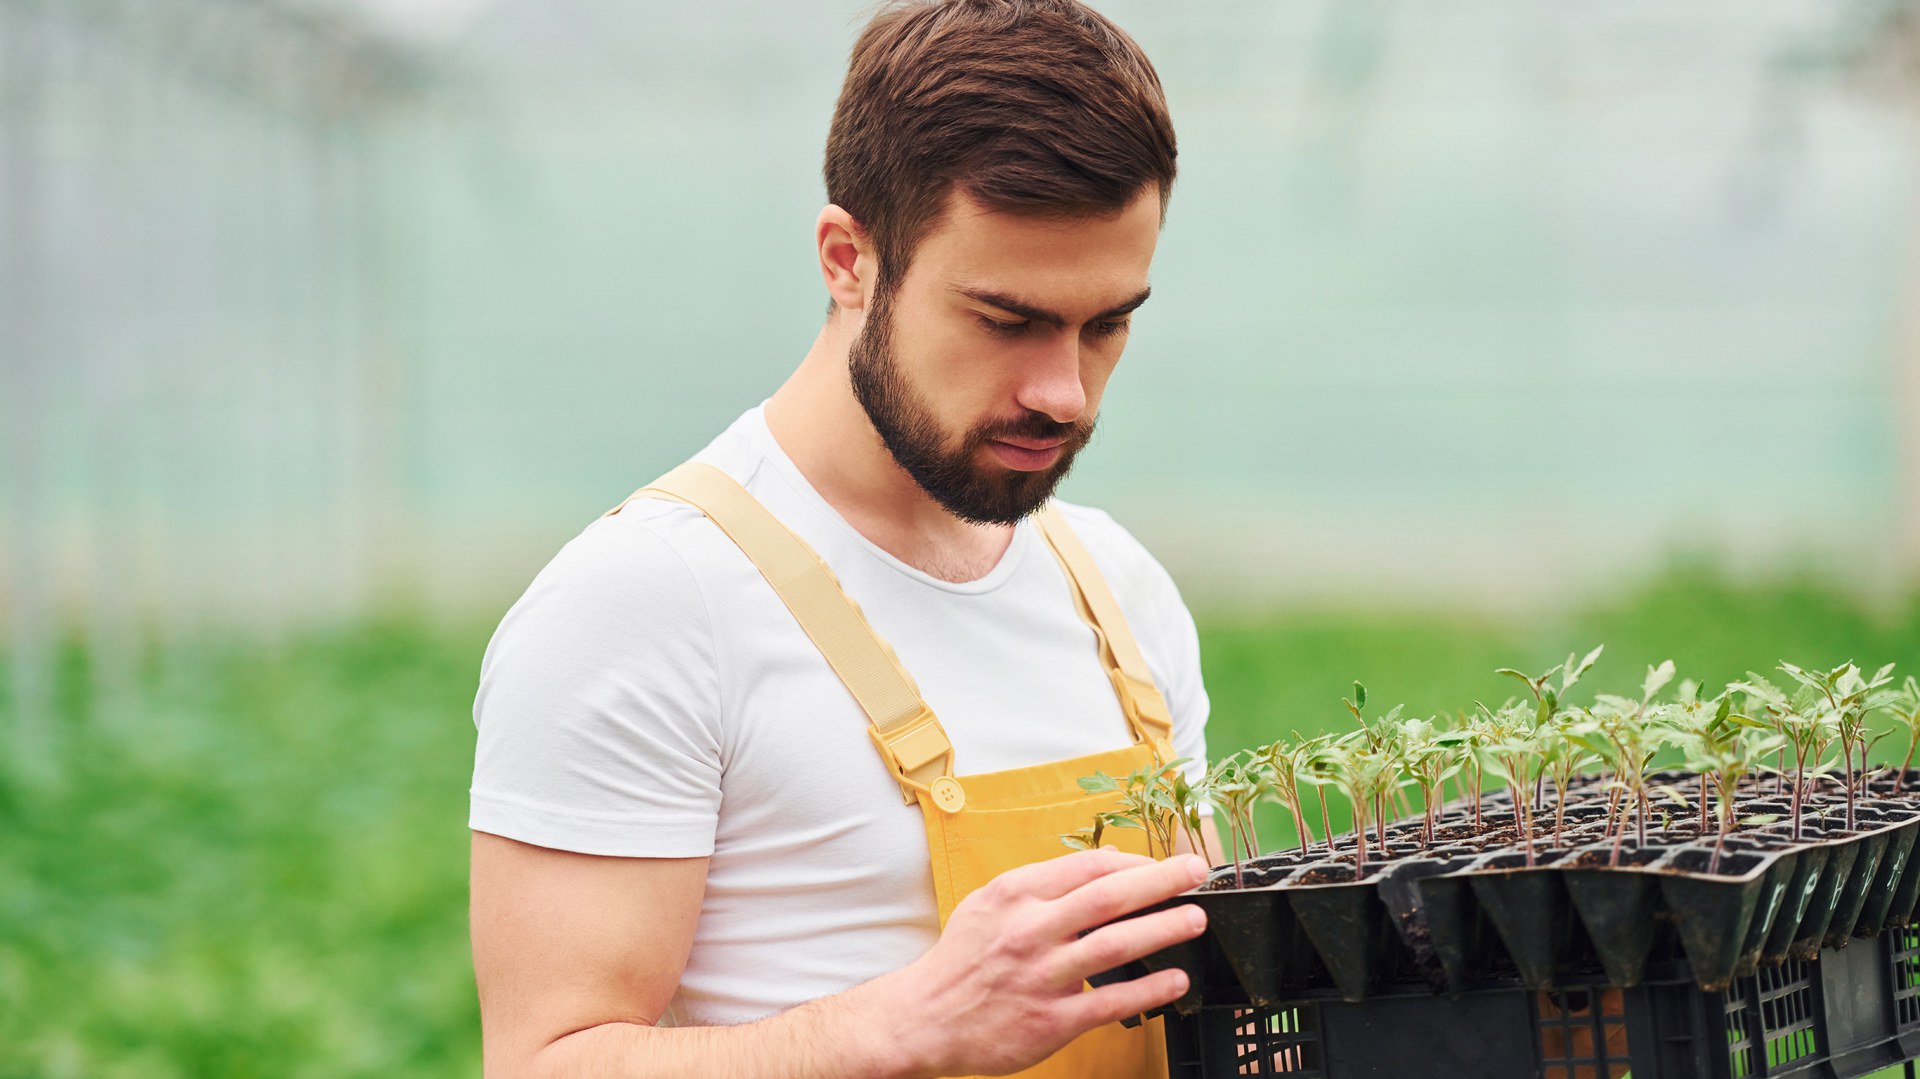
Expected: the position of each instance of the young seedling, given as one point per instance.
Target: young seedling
(1429, 754)
(1147, 801)
(1476, 732)
(1804, 721)
(1905, 709)
(1621, 733)
(1287, 766)
(1851, 698)
(1724, 748)
(1360, 772)
(1187, 802)
(1318, 773)
(1233, 787)
(1546, 698)
(1390, 799)
(1088, 838)
(1696, 721)
(1379, 737)
(1511, 754)
(1563, 757)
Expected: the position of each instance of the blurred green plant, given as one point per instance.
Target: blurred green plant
(257, 868)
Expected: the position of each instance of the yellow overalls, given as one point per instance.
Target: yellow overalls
(978, 826)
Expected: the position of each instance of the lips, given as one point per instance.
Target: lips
(1021, 455)
(1034, 444)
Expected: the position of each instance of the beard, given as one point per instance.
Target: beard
(981, 494)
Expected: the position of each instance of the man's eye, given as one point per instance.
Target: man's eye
(1004, 329)
(1110, 329)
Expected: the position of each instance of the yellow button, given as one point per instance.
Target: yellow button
(948, 795)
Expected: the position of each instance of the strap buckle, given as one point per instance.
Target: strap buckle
(921, 757)
(1146, 711)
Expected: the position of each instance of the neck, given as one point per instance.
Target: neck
(822, 427)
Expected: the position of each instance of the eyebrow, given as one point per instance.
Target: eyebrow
(1040, 314)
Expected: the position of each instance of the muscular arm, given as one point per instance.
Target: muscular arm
(576, 957)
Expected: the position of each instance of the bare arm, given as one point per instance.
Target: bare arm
(576, 957)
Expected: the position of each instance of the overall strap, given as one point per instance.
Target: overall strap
(1146, 709)
(910, 739)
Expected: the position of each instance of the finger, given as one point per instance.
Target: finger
(1112, 1003)
(1056, 877)
(1124, 941)
(1108, 897)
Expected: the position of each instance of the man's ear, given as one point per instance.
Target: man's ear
(848, 264)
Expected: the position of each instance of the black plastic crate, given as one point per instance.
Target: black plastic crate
(1850, 1012)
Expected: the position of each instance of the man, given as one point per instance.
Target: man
(773, 758)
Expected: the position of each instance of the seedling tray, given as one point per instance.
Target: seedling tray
(1842, 1014)
(1699, 923)
(1450, 918)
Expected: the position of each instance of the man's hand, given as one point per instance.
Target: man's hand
(1002, 989)
(577, 956)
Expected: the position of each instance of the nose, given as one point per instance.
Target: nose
(1053, 383)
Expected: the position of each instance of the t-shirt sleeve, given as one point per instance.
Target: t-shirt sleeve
(599, 707)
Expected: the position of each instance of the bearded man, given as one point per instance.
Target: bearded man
(773, 758)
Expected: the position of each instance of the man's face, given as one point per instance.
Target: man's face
(983, 370)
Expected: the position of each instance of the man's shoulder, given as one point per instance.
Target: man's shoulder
(644, 547)
(626, 579)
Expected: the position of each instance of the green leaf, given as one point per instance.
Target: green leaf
(1359, 694)
(1657, 677)
(1524, 679)
(1587, 663)
(1672, 794)
(1177, 762)
(1098, 783)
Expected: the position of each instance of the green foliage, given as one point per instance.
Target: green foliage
(1429, 754)
(1721, 745)
(1850, 697)
(1361, 770)
(1155, 797)
(1274, 675)
(1564, 754)
(1546, 697)
(1287, 765)
(253, 862)
(1090, 837)
(1508, 744)
(1904, 708)
(1233, 786)
(1803, 720)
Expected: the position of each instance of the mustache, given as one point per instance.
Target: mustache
(1038, 427)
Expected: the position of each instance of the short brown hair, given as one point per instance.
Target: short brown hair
(1036, 107)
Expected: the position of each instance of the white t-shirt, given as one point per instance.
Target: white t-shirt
(650, 696)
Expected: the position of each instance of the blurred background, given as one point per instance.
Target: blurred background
(1481, 332)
